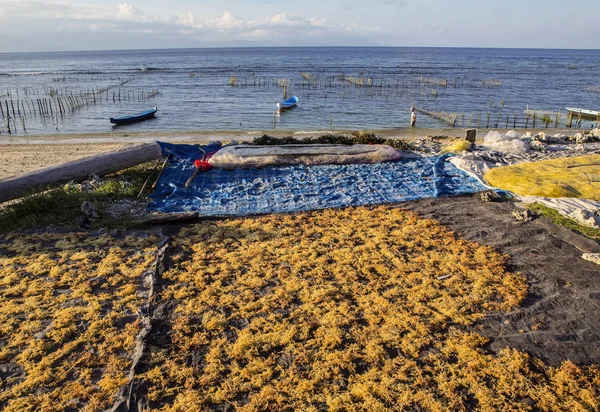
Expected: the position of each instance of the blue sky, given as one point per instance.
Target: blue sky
(48, 25)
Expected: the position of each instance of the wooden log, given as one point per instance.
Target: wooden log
(101, 164)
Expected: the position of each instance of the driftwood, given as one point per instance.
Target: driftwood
(149, 177)
(162, 169)
(101, 164)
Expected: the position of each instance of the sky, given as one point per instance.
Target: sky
(65, 25)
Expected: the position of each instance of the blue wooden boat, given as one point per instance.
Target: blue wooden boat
(288, 104)
(148, 114)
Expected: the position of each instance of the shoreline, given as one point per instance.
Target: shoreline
(205, 135)
(20, 155)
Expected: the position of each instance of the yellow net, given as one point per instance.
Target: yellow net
(567, 177)
(458, 146)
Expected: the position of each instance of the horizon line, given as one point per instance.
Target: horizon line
(300, 47)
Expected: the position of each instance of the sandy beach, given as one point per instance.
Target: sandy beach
(16, 159)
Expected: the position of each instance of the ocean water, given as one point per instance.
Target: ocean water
(194, 91)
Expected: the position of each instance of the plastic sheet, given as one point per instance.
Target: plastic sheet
(249, 156)
(276, 189)
(506, 143)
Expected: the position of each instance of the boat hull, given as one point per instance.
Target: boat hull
(134, 118)
(584, 113)
(288, 104)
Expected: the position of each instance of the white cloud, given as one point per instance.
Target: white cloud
(228, 22)
(186, 20)
(129, 11)
(53, 17)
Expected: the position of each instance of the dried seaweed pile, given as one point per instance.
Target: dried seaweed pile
(68, 316)
(356, 138)
(358, 309)
(354, 309)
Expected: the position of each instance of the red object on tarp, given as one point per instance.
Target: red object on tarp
(203, 165)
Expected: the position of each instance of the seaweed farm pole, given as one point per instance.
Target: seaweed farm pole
(514, 120)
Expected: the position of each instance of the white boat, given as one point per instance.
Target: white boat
(586, 114)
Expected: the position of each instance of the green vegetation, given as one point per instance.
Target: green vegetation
(62, 206)
(561, 220)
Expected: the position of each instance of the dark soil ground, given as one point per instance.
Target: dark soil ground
(559, 319)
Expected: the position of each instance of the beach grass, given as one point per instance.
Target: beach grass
(561, 220)
(61, 206)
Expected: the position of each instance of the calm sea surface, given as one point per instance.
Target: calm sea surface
(194, 91)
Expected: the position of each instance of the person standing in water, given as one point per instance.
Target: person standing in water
(413, 117)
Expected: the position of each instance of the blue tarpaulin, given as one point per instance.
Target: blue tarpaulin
(242, 192)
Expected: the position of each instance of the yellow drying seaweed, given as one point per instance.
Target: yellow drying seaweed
(68, 317)
(354, 309)
(567, 177)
